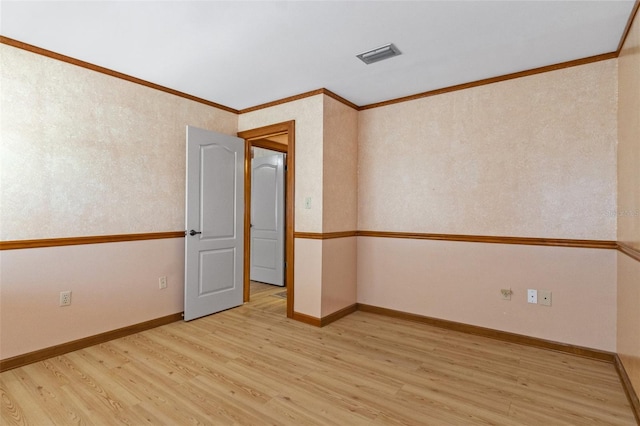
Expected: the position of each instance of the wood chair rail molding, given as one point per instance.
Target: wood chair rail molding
(325, 235)
(557, 242)
(554, 242)
(629, 251)
(95, 239)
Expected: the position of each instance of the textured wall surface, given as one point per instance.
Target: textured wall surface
(628, 212)
(529, 157)
(84, 153)
(461, 282)
(307, 113)
(326, 171)
(340, 165)
(340, 205)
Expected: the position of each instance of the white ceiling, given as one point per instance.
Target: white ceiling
(241, 54)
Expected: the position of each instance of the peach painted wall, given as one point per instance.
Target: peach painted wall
(529, 157)
(307, 114)
(340, 167)
(339, 269)
(454, 163)
(326, 171)
(84, 153)
(628, 315)
(340, 205)
(461, 282)
(628, 211)
(113, 285)
(307, 275)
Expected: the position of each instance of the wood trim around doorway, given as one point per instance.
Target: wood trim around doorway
(259, 138)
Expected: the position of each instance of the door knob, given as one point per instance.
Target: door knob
(193, 232)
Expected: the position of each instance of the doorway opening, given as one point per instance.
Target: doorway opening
(281, 139)
(267, 216)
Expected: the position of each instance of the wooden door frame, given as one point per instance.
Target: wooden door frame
(259, 138)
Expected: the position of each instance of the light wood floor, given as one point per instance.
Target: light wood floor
(252, 366)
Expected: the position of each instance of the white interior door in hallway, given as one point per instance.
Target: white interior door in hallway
(267, 217)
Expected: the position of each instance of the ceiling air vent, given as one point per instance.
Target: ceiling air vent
(379, 53)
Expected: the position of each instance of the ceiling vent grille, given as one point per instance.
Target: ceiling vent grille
(379, 54)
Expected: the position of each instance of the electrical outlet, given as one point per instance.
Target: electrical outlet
(65, 298)
(506, 293)
(544, 297)
(162, 282)
(532, 296)
(307, 203)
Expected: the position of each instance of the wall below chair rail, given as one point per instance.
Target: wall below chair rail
(461, 282)
(339, 262)
(113, 285)
(628, 340)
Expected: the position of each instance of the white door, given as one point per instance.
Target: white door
(267, 219)
(214, 222)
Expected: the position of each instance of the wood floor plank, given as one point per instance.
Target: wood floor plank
(101, 376)
(478, 396)
(331, 408)
(218, 401)
(160, 396)
(290, 413)
(96, 394)
(49, 403)
(107, 355)
(447, 408)
(253, 366)
(584, 409)
(11, 412)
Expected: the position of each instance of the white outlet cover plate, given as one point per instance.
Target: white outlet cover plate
(532, 296)
(65, 298)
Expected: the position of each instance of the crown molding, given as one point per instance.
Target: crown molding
(327, 92)
(627, 28)
(73, 61)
